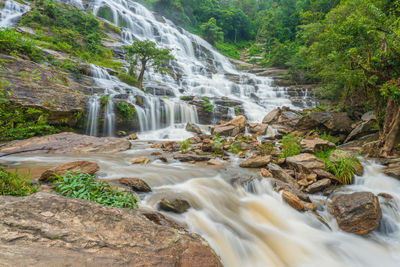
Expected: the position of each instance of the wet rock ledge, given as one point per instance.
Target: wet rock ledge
(45, 229)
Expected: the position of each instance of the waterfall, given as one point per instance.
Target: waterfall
(11, 13)
(93, 115)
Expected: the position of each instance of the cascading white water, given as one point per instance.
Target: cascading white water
(11, 13)
(93, 115)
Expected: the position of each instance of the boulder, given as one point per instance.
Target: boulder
(272, 116)
(393, 170)
(318, 186)
(194, 128)
(225, 130)
(357, 213)
(192, 157)
(132, 137)
(136, 184)
(46, 229)
(365, 128)
(265, 173)
(322, 174)
(170, 146)
(368, 116)
(305, 163)
(279, 185)
(335, 122)
(315, 145)
(140, 160)
(231, 128)
(83, 166)
(258, 128)
(66, 143)
(282, 175)
(292, 200)
(215, 162)
(256, 162)
(176, 205)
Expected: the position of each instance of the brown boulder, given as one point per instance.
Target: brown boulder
(132, 137)
(292, 200)
(365, 128)
(393, 170)
(83, 166)
(256, 162)
(305, 163)
(136, 184)
(66, 143)
(272, 116)
(192, 157)
(225, 130)
(282, 175)
(194, 128)
(357, 213)
(279, 185)
(140, 160)
(176, 205)
(265, 173)
(239, 122)
(258, 128)
(50, 230)
(318, 186)
(170, 146)
(315, 145)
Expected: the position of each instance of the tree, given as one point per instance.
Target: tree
(211, 32)
(148, 55)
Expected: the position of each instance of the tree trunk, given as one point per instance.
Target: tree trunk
(141, 75)
(390, 135)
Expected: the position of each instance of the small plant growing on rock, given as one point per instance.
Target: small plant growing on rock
(85, 186)
(328, 137)
(15, 185)
(185, 146)
(290, 145)
(104, 99)
(208, 107)
(125, 110)
(235, 148)
(266, 149)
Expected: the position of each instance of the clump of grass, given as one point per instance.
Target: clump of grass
(235, 148)
(185, 146)
(85, 186)
(208, 107)
(125, 110)
(344, 168)
(15, 185)
(290, 145)
(328, 137)
(266, 149)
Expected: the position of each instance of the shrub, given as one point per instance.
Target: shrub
(329, 138)
(235, 148)
(208, 107)
(186, 98)
(290, 145)
(266, 149)
(15, 185)
(104, 99)
(84, 186)
(185, 146)
(125, 110)
(128, 79)
(15, 43)
(344, 168)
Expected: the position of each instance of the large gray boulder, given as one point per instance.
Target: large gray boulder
(50, 230)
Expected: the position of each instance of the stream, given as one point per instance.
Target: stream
(251, 225)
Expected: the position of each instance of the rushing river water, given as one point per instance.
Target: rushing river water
(252, 226)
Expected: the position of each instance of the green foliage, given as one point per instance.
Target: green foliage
(290, 145)
(15, 185)
(328, 137)
(344, 168)
(218, 141)
(125, 110)
(130, 79)
(205, 99)
(235, 148)
(186, 98)
(227, 49)
(15, 43)
(85, 186)
(208, 107)
(211, 32)
(18, 122)
(70, 30)
(185, 146)
(148, 55)
(104, 100)
(266, 149)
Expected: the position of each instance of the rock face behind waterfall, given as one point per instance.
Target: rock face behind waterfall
(49, 230)
(357, 213)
